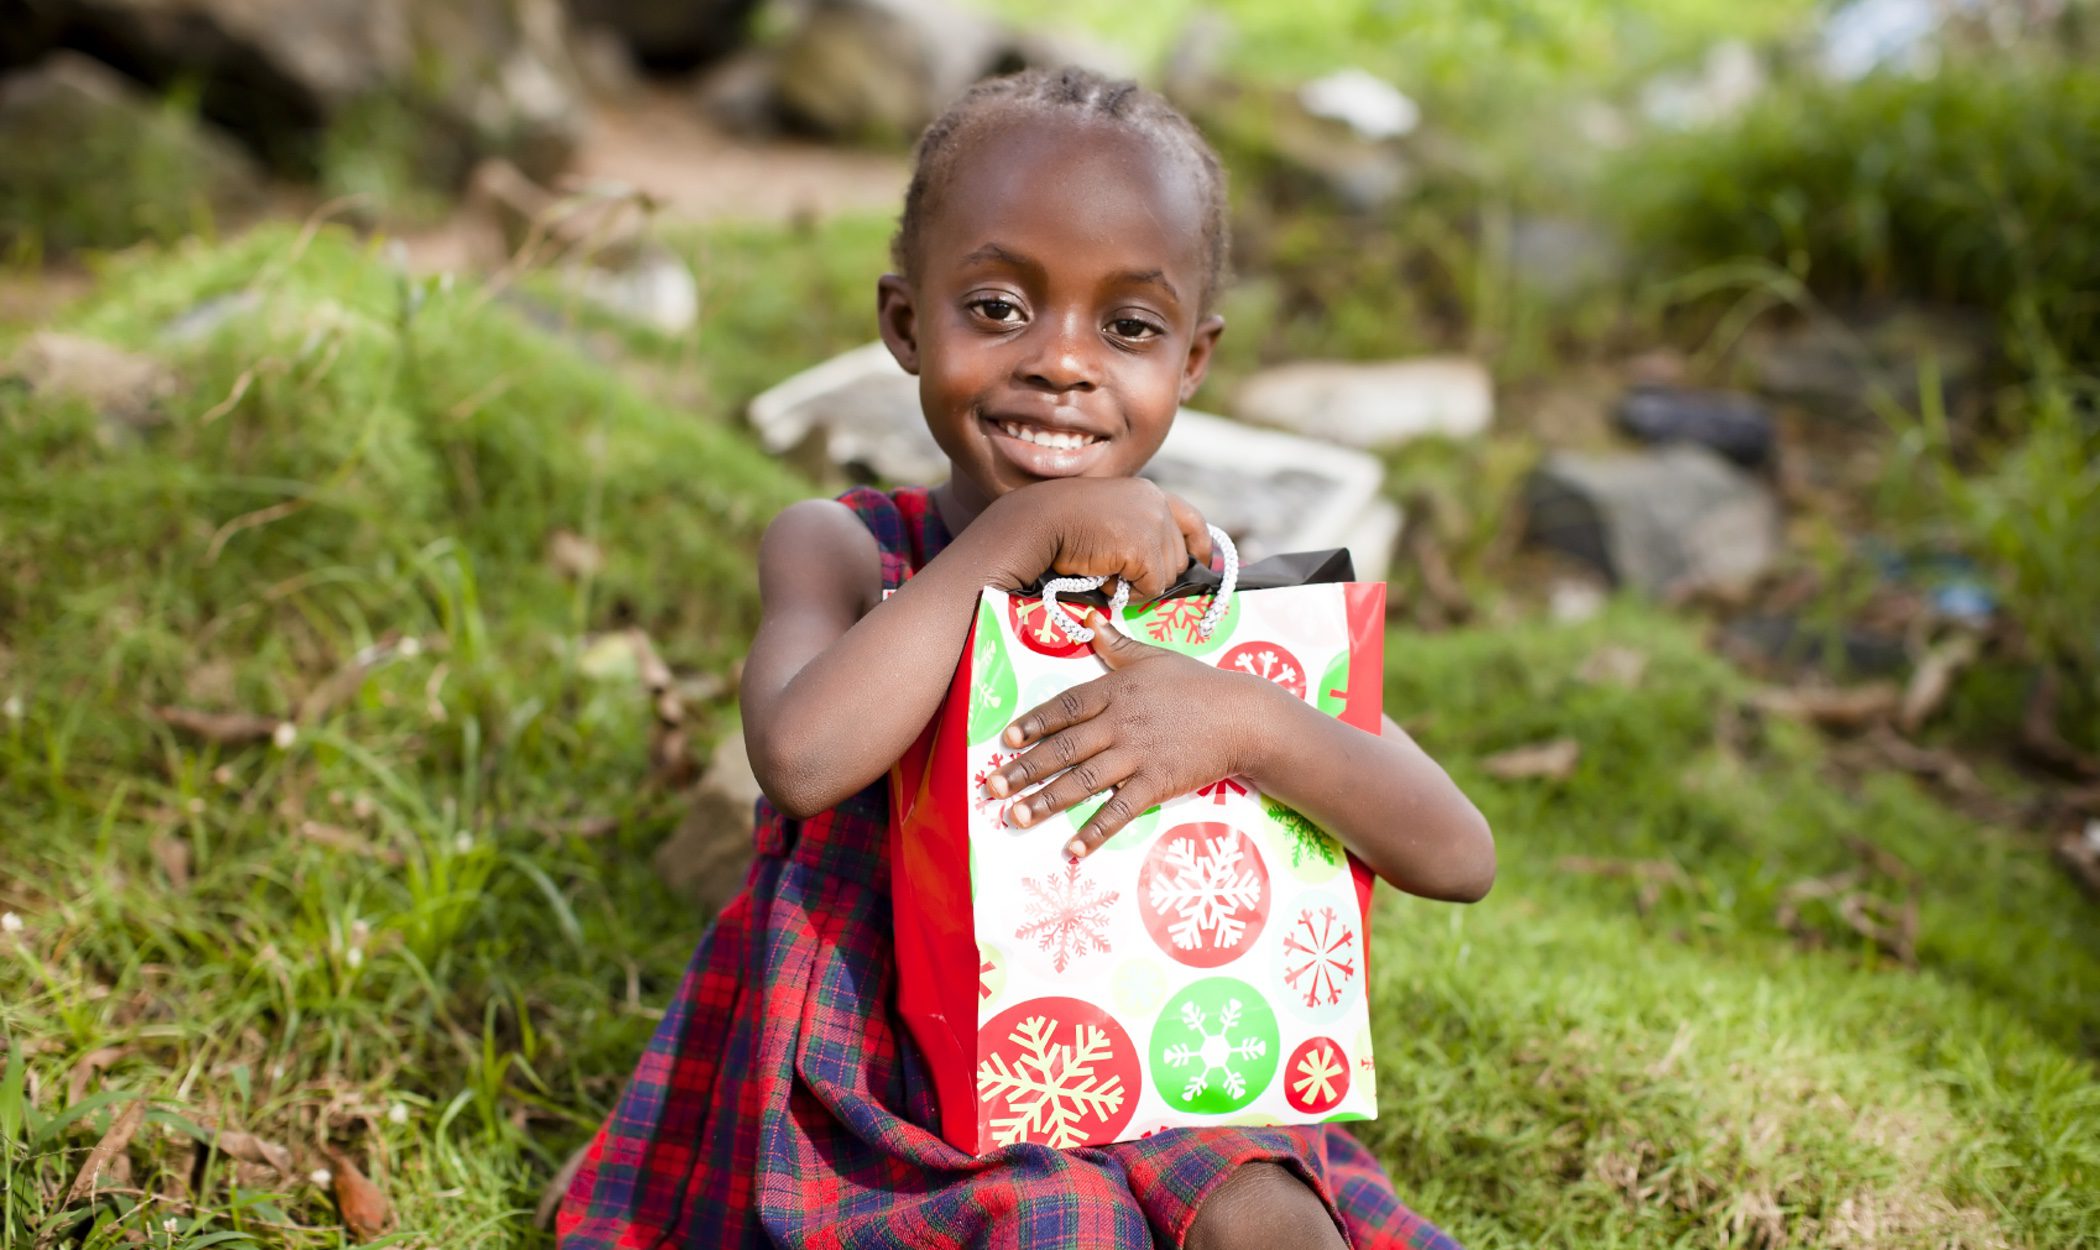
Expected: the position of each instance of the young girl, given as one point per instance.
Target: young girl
(1062, 240)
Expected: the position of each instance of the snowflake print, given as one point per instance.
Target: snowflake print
(1220, 790)
(980, 798)
(1214, 1048)
(1040, 629)
(1204, 893)
(1068, 915)
(1058, 1093)
(1320, 949)
(1269, 662)
(1174, 620)
(984, 987)
(1317, 1077)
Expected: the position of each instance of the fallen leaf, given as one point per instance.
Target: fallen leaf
(224, 728)
(551, 1196)
(2080, 856)
(1614, 665)
(113, 1143)
(366, 1212)
(1554, 760)
(248, 1148)
(1932, 680)
(573, 555)
(1843, 708)
(173, 856)
(88, 1066)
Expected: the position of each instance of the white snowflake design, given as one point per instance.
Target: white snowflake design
(1068, 915)
(1268, 666)
(1206, 891)
(1051, 1086)
(1319, 948)
(1315, 1084)
(983, 691)
(1215, 1052)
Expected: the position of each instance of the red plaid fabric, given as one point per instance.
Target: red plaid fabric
(781, 1102)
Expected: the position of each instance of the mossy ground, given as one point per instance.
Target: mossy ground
(397, 907)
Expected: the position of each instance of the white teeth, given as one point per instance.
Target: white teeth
(1046, 438)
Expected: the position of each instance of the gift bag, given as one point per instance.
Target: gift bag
(1205, 965)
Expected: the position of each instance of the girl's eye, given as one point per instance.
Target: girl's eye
(1132, 328)
(999, 310)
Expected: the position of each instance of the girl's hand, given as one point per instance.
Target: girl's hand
(1102, 527)
(1159, 725)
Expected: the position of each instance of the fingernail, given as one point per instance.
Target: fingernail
(997, 785)
(1075, 849)
(1014, 736)
(1018, 814)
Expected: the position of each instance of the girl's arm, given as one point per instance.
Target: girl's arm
(840, 682)
(1379, 793)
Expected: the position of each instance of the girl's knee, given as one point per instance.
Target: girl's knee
(1264, 1206)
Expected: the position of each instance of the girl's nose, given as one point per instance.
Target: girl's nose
(1059, 356)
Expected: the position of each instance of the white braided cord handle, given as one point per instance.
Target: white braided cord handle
(1079, 632)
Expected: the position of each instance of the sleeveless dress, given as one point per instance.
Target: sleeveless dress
(781, 1101)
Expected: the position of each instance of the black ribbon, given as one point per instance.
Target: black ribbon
(1294, 568)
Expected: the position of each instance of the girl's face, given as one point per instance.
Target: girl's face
(1056, 322)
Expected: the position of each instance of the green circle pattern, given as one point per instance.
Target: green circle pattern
(994, 693)
(1333, 694)
(1171, 623)
(1313, 854)
(1129, 838)
(1214, 1047)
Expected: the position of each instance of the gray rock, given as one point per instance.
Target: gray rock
(671, 35)
(1367, 104)
(484, 76)
(706, 857)
(1666, 522)
(126, 390)
(1380, 404)
(653, 288)
(89, 159)
(1558, 257)
(1271, 491)
(1736, 426)
(1849, 369)
(881, 69)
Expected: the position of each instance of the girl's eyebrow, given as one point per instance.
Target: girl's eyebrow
(1005, 255)
(1147, 277)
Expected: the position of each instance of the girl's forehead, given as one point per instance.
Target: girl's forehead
(1079, 191)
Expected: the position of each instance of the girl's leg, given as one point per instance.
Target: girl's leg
(1263, 1206)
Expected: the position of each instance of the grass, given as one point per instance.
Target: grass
(384, 932)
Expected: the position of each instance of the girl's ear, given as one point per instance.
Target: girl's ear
(1201, 346)
(899, 320)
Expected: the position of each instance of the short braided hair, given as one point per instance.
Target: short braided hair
(1082, 95)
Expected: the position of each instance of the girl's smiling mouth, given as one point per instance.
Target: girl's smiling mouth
(1042, 451)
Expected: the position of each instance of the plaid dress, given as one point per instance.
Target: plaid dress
(782, 1102)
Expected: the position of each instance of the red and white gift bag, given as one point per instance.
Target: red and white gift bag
(1204, 966)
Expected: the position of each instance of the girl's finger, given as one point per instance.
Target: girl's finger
(1195, 532)
(1137, 793)
(1076, 785)
(1081, 702)
(1054, 754)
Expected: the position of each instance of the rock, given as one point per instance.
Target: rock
(1372, 405)
(1273, 492)
(88, 159)
(670, 36)
(1736, 426)
(1724, 85)
(1848, 369)
(1559, 257)
(478, 76)
(655, 288)
(1367, 104)
(125, 389)
(1666, 522)
(880, 70)
(1362, 174)
(706, 857)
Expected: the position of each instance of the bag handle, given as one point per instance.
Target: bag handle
(1079, 632)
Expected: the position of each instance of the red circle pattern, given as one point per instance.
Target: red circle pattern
(1316, 1078)
(1204, 894)
(1267, 661)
